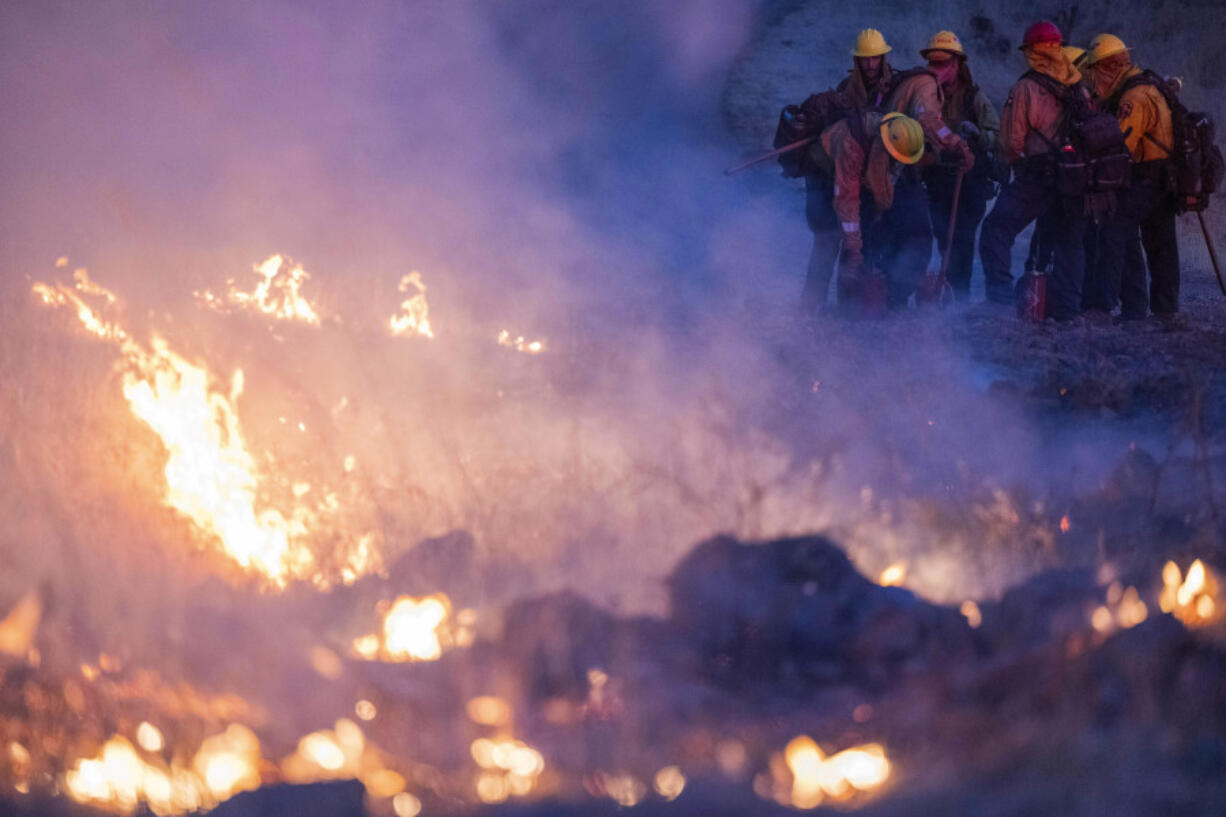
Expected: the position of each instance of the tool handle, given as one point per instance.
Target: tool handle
(1217, 269)
(772, 154)
(953, 221)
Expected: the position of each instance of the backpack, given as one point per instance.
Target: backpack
(807, 121)
(1197, 166)
(1091, 157)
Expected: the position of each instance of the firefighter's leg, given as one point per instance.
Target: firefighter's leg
(1022, 201)
(907, 235)
(1134, 290)
(1161, 242)
(1069, 263)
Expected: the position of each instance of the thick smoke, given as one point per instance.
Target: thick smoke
(553, 168)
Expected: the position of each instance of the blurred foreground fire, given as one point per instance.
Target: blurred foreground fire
(1193, 598)
(417, 629)
(804, 777)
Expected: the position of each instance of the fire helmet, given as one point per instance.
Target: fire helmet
(1103, 46)
(903, 137)
(1075, 55)
(870, 43)
(1043, 31)
(946, 41)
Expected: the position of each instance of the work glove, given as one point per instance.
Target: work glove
(852, 259)
(969, 130)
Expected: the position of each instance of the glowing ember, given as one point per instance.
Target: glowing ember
(669, 782)
(278, 295)
(406, 805)
(970, 610)
(20, 626)
(1064, 524)
(228, 763)
(894, 575)
(1193, 598)
(509, 768)
(623, 789)
(365, 710)
(414, 317)
(488, 710)
(1123, 610)
(149, 737)
(520, 344)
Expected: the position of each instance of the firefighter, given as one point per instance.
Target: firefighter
(888, 229)
(1145, 212)
(864, 87)
(869, 81)
(1040, 255)
(1030, 125)
(966, 110)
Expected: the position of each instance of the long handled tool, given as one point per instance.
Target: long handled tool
(772, 154)
(1217, 270)
(936, 288)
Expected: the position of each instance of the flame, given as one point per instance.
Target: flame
(414, 314)
(211, 476)
(894, 575)
(509, 768)
(19, 628)
(521, 344)
(414, 629)
(120, 779)
(1191, 599)
(806, 777)
(278, 295)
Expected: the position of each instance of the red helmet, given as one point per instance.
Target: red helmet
(1043, 31)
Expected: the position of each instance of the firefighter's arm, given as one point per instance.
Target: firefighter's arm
(1015, 123)
(987, 119)
(926, 106)
(848, 171)
(1138, 116)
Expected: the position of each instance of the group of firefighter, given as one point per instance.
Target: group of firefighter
(893, 158)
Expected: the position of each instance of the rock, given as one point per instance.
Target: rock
(798, 610)
(342, 798)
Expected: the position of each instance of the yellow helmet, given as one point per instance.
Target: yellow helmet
(946, 41)
(903, 137)
(1075, 55)
(1103, 46)
(870, 43)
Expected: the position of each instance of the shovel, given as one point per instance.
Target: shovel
(935, 287)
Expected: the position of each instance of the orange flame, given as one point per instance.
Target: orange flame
(1193, 598)
(414, 317)
(520, 343)
(278, 295)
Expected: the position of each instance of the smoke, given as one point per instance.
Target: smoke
(551, 168)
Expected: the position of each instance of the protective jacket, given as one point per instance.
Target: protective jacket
(862, 94)
(1142, 112)
(919, 96)
(859, 159)
(1031, 120)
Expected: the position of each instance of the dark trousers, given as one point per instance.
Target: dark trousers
(1144, 217)
(822, 220)
(1028, 197)
(972, 203)
(1161, 242)
(898, 242)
